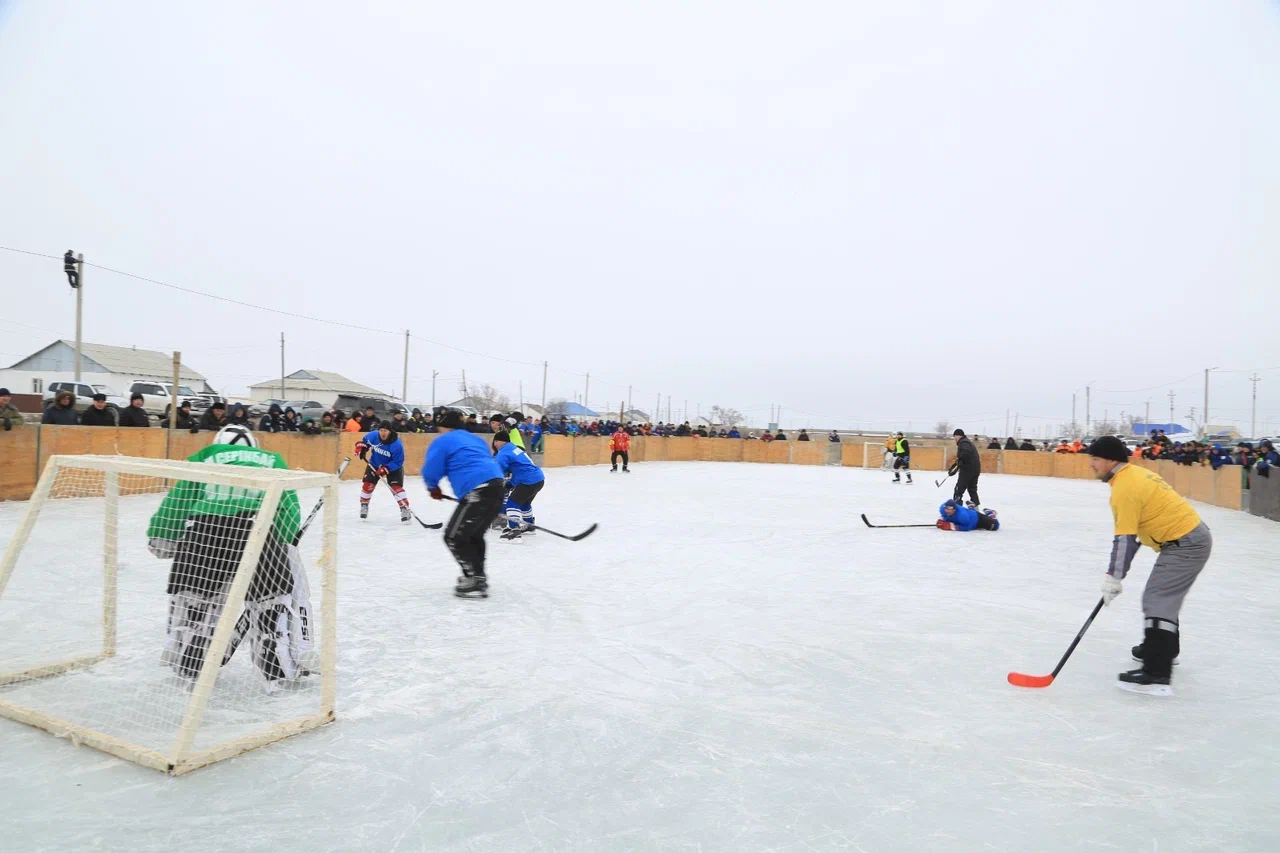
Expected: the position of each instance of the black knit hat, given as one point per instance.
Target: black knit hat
(502, 435)
(451, 420)
(1109, 447)
(959, 433)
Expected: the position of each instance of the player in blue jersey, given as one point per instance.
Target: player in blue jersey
(383, 453)
(527, 480)
(477, 482)
(957, 516)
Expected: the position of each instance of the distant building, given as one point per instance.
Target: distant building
(103, 364)
(319, 385)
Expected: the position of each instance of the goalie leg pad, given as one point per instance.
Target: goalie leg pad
(192, 620)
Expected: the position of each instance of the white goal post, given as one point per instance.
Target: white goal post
(103, 642)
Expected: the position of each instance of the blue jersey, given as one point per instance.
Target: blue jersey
(514, 461)
(964, 519)
(389, 456)
(463, 458)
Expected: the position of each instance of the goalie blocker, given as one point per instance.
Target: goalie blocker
(205, 529)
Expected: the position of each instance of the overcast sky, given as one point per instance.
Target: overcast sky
(875, 214)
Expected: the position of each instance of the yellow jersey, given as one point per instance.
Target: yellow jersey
(1144, 505)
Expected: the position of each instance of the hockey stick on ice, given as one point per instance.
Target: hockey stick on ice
(383, 480)
(583, 535)
(939, 483)
(1018, 679)
(242, 624)
(884, 526)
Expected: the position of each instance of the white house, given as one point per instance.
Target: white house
(319, 385)
(102, 364)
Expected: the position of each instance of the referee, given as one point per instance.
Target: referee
(1148, 512)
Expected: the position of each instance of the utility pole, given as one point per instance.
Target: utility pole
(465, 392)
(1088, 414)
(1016, 415)
(522, 395)
(282, 394)
(586, 396)
(1073, 414)
(1253, 418)
(173, 404)
(434, 374)
(404, 388)
(80, 309)
(544, 387)
(1148, 416)
(686, 411)
(1170, 408)
(1205, 421)
(1006, 422)
(657, 408)
(628, 398)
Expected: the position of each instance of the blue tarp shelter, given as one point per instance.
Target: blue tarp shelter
(1169, 429)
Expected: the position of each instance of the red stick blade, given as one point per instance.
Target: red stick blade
(1018, 679)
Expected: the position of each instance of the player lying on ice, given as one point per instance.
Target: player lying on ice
(956, 516)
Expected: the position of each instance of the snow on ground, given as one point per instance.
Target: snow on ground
(733, 662)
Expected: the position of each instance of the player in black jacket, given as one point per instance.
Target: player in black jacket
(969, 465)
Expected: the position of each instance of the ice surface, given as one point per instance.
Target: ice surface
(733, 663)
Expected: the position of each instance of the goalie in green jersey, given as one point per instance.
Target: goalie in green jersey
(204, 528)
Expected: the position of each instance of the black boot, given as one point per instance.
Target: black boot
(1159, 645)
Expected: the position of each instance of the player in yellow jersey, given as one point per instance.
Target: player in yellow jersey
(1148, 512)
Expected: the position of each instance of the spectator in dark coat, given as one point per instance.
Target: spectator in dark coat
(289, 420)
(993, 444)
(185, 419)
(135, 415)
(10, 417)
(803, 436)
(1011, 444)
(63, 410)
(1026, 445)
(834, 438)
(779, 435)
(99, 414)
(239, 415)
(273, 420)
(214, 417)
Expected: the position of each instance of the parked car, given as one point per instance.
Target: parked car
(84, 394)
(305, 409)
(351, 404)
(157, 395)
(257, 410)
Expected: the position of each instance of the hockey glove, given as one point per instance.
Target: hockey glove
(951, 472)
(361, 449)
(436, 494)
(162, 548)
(945, 525)
(1111, 587)
(382, 471)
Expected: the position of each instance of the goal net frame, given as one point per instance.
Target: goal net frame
(180, 758)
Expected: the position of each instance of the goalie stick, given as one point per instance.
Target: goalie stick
(886, 526)
(583, 535)
(1018, 679)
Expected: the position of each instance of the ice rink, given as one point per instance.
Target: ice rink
(733, 662)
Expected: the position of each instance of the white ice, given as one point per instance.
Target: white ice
(733, 662)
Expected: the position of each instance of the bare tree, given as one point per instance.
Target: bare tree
(556, 406)
(1105, 427)
(485, 398)
(942, 428)
(726, 416)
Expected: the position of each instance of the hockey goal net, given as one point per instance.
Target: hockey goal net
(171, 613)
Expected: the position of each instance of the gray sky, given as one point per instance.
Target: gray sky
(881, 213)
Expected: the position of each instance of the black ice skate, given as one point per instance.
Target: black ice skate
(405, 514)
(512, 534)
(909, 481)
(364, 511)
(1141, 681)
(626, 470)
(897, 478)
(1137, 654)
(613, 470)
(473, 586)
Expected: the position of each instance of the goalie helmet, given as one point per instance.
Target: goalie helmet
(235, 434)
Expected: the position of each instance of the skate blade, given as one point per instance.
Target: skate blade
(1163, 691)
(457, 594)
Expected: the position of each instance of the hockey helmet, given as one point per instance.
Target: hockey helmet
(235, 434)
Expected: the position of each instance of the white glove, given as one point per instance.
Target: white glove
(1110, 589)
(162, 548)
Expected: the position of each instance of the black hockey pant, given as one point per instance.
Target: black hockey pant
(626, 458)
(967, 482)
(464, 534)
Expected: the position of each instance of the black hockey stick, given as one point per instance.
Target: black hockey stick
(583, 535)
(316, 510)
(383, 480)
(884, 526)
(939, 483)
(1018, 679)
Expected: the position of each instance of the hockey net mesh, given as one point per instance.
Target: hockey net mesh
(113, 599)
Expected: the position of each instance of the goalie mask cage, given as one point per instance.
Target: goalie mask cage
(87, 618)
